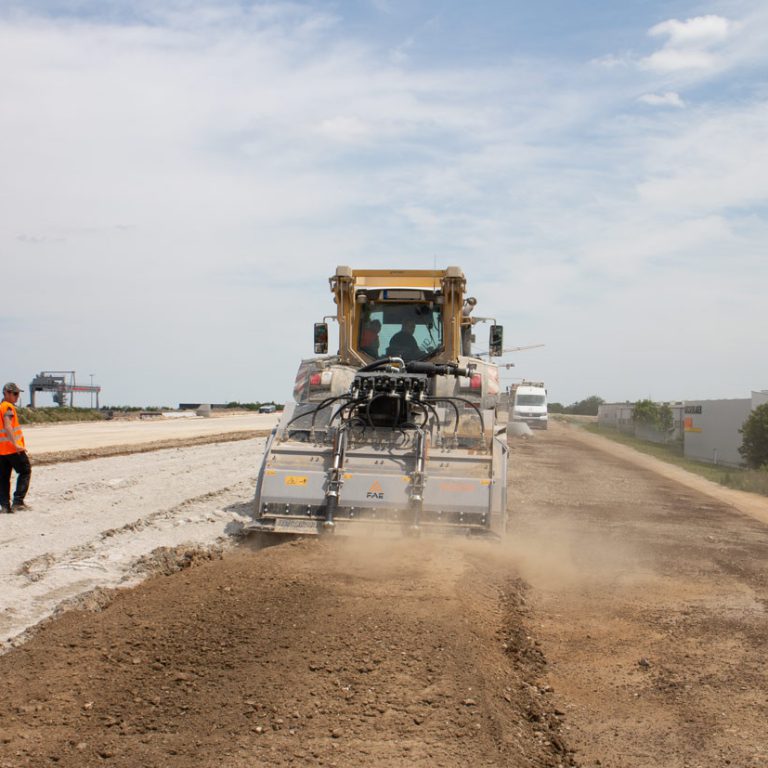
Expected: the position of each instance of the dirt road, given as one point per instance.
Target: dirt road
(640, 641)
(650, 600)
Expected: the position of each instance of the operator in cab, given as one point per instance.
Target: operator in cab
(403, 344)
(369, 339)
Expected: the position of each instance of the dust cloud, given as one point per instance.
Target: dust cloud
(551, 553)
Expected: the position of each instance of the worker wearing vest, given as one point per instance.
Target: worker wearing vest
(13, 453)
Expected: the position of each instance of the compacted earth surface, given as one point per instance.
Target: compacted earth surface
(621, 623)
(651, 603)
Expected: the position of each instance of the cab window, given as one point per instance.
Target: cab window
(408, 330)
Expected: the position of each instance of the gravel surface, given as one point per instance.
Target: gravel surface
(92, 520)
(43, 439)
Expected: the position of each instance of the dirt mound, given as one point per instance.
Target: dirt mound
(310, 653)
(167, 560)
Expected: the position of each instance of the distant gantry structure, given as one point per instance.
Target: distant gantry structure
(63, 384)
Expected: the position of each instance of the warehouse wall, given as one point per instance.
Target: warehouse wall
(711, 429)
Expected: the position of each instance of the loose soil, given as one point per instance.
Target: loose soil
(624, 618)
(318, 653)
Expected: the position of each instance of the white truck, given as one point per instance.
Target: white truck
(529, 404)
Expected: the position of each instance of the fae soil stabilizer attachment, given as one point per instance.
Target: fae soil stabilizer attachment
(398, 433)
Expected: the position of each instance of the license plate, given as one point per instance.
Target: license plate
(296, 526)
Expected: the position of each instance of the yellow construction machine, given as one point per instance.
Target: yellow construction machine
(401, 430)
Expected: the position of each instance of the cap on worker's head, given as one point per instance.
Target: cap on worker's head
(11, 387)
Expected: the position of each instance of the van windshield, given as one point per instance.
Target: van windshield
(531, 400)
(409, 330)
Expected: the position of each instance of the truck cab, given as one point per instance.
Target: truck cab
(529, 404)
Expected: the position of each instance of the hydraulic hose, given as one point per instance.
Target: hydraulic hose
(427, 405)
(423, 424)
(320, 406)
(329, 403)
(453, 405)
(463, 400)
(350, 404)
(436, 369)
(458, 417)
(381, 363)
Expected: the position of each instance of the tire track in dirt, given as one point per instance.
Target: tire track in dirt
(108, 543)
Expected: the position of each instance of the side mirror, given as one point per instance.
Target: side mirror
(321, 338)
(496, 342)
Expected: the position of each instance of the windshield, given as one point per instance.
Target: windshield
(530, 400)
(408, 330)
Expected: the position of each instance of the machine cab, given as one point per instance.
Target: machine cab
(410, 314)
(398, 323)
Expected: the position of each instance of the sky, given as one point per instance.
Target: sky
(178, 180)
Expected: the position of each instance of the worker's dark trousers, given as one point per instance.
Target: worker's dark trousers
(9, 462)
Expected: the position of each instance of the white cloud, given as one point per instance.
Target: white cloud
(344, 129)
(690, 45)
(400, 54)
(627, 248)
(668, 99)
(423, 218)
(674, 60)
(717, 163)
(383, 6)
(610, 61)
(697, 32)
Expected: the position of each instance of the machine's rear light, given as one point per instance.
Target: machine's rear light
(321, 379)
(472, 383)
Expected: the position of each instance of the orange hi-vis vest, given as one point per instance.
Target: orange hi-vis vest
(6, 445)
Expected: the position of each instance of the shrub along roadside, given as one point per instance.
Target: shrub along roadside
(57, 414)
(754, 431)
(752, 480)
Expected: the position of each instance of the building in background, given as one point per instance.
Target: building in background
(618, 416)
(709, 429)
(712, 428)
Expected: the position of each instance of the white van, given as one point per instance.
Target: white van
(530, 404)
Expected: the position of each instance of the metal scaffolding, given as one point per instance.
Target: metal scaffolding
(63, 384)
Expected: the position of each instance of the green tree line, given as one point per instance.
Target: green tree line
(586, 407)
